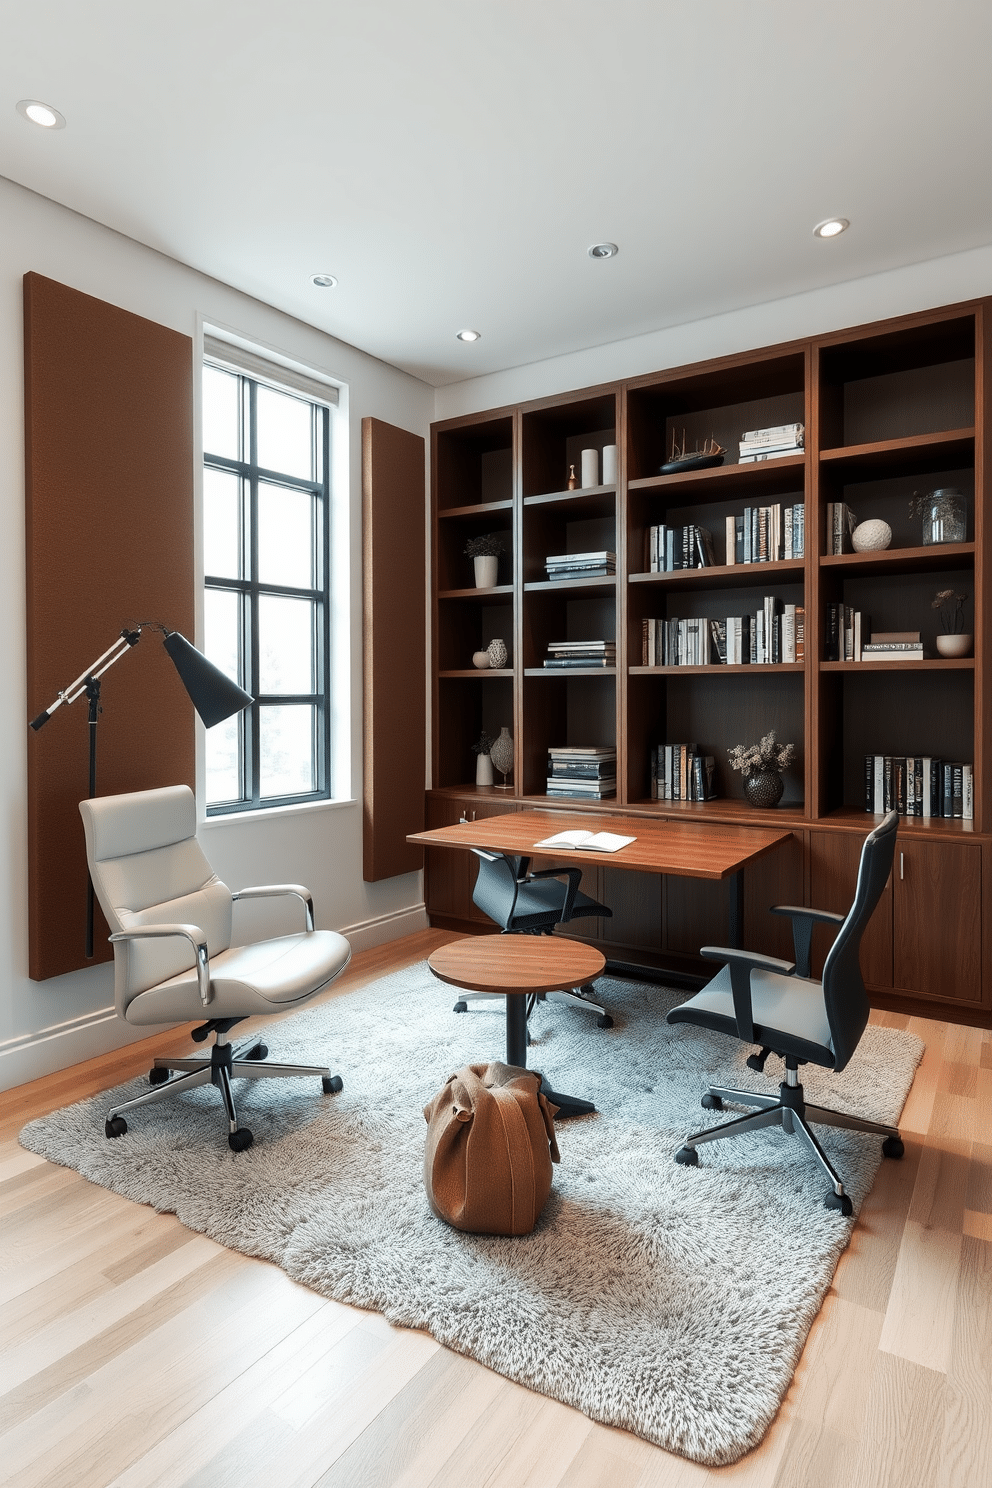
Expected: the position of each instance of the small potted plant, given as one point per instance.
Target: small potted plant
(953, 640)
(762, 765)
(485, 551)
(483, 762)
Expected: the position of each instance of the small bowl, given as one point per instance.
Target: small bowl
(954, 645)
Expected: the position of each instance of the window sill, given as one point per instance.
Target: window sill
(269, 813)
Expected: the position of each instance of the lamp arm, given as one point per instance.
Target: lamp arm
(123, 644)
(192, 933)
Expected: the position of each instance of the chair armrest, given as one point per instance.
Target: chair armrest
(803, 919)
(192, 933)
(574, 876)
(741, 964)
(277, 891)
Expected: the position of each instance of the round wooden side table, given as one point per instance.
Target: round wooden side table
(519, 966)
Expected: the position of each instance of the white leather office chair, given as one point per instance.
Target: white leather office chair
(171, 919)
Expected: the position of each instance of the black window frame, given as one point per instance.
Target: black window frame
(250, 589)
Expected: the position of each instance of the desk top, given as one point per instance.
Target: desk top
(713, 850)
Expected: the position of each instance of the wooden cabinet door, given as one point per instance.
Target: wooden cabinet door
(833, 870)
(937, 923)
(450, 872)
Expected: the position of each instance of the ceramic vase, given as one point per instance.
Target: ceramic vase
(501, 755)
(954, 645)
(498, 654)
(483, 769)
(486, 570)
(763, 788)
(481, 660)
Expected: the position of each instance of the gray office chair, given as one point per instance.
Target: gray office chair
(762, 1000)
(171, 919)
(525, 903)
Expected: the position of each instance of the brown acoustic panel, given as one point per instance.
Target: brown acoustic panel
(395, 652)
(109, 464)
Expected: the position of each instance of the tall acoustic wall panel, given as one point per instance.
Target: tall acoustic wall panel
(395, 648)
(109, 464)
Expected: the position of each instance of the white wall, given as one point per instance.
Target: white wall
(942, 281)
(49, 1025)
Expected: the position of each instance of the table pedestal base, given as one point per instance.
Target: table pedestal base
(516, 1054)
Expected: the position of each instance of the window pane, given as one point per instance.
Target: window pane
(222, 631)
(285, 537)
(284, 433)
(221, 524)
(286, 747)
(224, 770)
(285, 644)
(221, 411)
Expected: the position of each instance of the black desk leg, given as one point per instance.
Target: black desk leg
(736, 909)
(516, 1054)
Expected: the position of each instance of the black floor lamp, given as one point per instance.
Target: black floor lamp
(212, 693)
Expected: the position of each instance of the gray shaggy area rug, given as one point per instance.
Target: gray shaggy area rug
(671, 1301)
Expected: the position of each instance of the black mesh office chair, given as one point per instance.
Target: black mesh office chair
(525, 903)
(776, 1004)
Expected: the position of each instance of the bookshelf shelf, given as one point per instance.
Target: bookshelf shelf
(890, 411)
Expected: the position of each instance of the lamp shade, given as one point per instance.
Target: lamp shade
(213, 695)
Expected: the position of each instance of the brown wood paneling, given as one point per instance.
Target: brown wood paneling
(109, 460)
(833, 867)
(937, 925)
(395, 656)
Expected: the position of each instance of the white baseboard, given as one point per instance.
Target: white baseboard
(382, 928)
(48, 1050)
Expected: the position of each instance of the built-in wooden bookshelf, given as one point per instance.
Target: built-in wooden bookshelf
(889, 410)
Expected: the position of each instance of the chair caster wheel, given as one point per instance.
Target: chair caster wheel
(688, 1157)
(460, 1007)
(839, 1201)
(893, 1147)
(241, 1139)
(331, 1084)
(157, 1076)
(711, 1102)
(260, 1051)
(116, 1126)
(605, 1021)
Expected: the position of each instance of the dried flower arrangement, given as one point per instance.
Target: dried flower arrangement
(484, 744)
(951, 607)
(751, 759)
(489, 545)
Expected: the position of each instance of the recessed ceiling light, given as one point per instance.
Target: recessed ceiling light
(40, 113)
(603, 250)
(324, 281)
(831, 227)
(469, 335)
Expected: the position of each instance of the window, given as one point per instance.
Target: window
(266, 531)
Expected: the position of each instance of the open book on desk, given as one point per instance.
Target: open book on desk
(588, 841)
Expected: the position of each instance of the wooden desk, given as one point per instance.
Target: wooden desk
(687, 849)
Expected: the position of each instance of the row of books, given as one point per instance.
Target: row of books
(849, 637)
(680, 773)
(672, 548)
(774, 634)
(581, 565)
(841, 522)
(771, 444)
(919, 786)
(588, 772)
(766, 534)
(566, 654)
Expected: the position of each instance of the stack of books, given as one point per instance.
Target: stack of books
(588, 772)
(581, 565)
(671, 548)
(565, 654)
(774, 634)
(766, 534)
(849, 637)
(919, 786)
(893, 645)
(841, 522)
(771, 444)
(680, 773)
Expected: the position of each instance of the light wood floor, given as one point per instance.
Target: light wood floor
(139, 1355)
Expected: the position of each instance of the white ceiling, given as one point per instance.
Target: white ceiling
(452, 160)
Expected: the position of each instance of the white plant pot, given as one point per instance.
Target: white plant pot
(954, 645)
(486, 571)
(483, 770)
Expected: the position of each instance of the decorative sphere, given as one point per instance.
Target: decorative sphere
(480, 659)
(498, 654)
(871, 537)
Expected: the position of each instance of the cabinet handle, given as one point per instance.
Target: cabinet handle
(902, 865)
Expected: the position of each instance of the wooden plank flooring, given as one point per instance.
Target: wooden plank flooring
(139, 1355)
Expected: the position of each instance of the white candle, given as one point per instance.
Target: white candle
(609, 464)
(590, 467)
